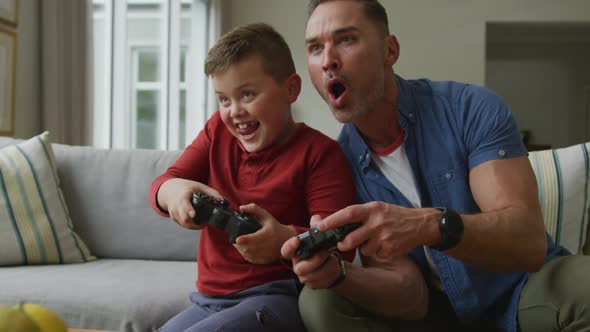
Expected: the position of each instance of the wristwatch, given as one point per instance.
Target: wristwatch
(451, 229)
(342, 275)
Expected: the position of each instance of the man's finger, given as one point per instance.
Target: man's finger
(355, 238)
(348, 215)
(311, 264)
(289, 247)
(315, 219)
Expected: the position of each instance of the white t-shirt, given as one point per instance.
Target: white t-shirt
(396, 168)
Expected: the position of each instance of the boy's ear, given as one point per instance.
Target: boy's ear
(293, 87)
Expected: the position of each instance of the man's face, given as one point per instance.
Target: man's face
(253, 106)
(346, 59)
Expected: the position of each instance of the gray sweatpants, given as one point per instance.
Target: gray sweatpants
(268, 307)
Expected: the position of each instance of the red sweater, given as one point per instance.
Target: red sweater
(304, 176)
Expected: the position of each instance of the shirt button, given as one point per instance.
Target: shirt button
(449, 176)
(501, 153)
(411, 115)
(361, 157)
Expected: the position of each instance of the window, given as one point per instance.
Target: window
(149, 87)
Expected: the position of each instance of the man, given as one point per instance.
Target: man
(412, 146)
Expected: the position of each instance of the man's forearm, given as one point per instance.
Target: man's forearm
(512, 239)
(395, 291)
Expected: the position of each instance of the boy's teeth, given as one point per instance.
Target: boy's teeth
(243, 126)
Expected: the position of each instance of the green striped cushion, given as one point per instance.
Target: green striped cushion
(35, 227)
(562, 179)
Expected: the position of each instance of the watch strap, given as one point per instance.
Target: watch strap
(342, 275)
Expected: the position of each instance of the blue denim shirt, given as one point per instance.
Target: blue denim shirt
(450, 128)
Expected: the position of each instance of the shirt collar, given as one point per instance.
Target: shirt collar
(406, 116)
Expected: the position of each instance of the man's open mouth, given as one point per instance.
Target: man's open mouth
(336, 88)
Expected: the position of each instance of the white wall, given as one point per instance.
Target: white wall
(440, 39)
(541, 72)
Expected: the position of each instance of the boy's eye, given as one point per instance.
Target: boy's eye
(222, 99)
(247, 94)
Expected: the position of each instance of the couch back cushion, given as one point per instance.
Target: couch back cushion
(106, 194)
(563, 183)
(35, 225)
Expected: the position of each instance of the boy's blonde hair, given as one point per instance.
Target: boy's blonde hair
(252, 39)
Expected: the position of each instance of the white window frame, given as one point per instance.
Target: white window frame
(118, 123)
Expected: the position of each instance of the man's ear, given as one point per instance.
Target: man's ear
(293, 87)
(391, 49)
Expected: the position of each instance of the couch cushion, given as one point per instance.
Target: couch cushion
(563, 184)
(106, 193)
(106, 294)
(107, 190)
(35, 226)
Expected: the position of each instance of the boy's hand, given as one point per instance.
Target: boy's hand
(175, 196)
(263, 246)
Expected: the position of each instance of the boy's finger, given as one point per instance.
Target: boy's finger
(209, 191)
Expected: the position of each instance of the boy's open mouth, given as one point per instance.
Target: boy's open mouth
(247, 128)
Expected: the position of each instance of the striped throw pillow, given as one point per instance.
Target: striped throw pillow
(563, 183)
(35, 227)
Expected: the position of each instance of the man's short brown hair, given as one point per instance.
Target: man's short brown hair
(248, 40)
(371, 8)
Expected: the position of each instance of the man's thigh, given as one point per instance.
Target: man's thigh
(324, 310)
(557, 298)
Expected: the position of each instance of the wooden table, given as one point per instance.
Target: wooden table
(83, 330)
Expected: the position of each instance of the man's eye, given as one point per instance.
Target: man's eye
(315, 49)
(345, 40)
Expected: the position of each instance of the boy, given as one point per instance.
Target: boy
(252, 153)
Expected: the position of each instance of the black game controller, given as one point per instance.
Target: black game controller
(315, 240)
(216, 213)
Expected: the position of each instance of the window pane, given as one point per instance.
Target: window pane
(182, 119)
(143, 29)
(183, 65)
(147, 119)
(149, 66)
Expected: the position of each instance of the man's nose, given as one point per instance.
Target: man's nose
(331, 59)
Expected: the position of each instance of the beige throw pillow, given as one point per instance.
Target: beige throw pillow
(35, 226)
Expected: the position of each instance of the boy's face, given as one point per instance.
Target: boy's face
(254, 107)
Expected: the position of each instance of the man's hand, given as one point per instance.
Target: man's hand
(263, 246)
(318, 271)
(387, 230)
(175, 196)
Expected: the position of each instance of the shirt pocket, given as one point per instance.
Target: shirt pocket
(451, 189)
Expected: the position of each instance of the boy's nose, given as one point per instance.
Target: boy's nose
(330, 60)
(235, 110)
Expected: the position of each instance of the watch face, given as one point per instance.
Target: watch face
(453, 223)
(451, 229)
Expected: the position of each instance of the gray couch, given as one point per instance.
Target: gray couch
(145, 265)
